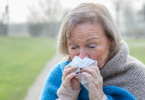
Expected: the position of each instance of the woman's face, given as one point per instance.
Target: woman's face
(89, 40)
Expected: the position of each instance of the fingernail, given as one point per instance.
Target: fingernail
(81, 68)
(77, 72)
(80, 71)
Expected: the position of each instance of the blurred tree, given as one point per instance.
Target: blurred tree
(134, 21)
(118, 5)
(142, 12)
(141, 20)
(4, 21)
(128, 15)
(45, 18)
(45, 11)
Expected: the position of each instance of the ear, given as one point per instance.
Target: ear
(112, 45)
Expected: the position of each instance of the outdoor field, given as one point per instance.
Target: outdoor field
(22, 59)
(137, 49)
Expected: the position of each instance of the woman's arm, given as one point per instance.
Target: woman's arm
(66, 94)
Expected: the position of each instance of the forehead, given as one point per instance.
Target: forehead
(86, 30)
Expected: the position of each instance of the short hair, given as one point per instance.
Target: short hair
(89, 13)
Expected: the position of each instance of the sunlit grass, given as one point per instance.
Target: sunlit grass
(135, 50)
(138, 52)
(21, 61)
(135, 40)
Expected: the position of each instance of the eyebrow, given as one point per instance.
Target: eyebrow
(87, 39)
(71, 40)
(92, 38)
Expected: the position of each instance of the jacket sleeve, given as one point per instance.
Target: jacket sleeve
(65, 94)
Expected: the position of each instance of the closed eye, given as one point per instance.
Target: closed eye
(74, 46)
(92, 46)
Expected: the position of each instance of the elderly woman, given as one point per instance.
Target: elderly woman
(89, 31)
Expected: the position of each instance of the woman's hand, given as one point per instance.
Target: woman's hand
(95, 80)
(69, 80)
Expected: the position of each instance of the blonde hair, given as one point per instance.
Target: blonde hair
(89, 13)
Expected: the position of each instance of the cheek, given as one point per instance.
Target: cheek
(72, 54)
(96, 55)
(100, 55)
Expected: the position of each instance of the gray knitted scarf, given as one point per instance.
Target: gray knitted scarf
(126, 72)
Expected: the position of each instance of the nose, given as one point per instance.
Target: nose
(82, 54)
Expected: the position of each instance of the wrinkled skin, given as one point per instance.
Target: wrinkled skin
(87, 40)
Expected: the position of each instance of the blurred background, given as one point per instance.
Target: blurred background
(28, 31)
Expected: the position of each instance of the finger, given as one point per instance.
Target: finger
(90, 71)
(68, 78)
(67, 66)
(98, 81)
(88, 76)
(95, 68)
(67, 71)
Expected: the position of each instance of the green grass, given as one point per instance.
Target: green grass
(135, 41)
(21, 61)
(137, 52)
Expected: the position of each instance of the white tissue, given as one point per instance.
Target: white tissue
(77, 62)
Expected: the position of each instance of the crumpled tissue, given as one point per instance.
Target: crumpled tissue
(77, 62)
